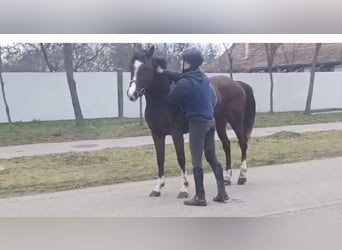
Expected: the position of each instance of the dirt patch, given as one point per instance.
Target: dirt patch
(284, 135)
(85, 146)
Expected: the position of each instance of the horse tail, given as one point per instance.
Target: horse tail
(249, 109)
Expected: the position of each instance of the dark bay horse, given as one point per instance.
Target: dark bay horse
(235, 104)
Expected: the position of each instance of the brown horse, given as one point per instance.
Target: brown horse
(235, 104)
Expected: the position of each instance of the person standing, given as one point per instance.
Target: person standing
(197, 98)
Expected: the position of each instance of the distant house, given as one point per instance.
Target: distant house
(290, 57)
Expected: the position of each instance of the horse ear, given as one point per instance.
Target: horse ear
(150, 52)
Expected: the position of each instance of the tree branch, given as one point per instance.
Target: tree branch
(50, 66)
(80, 64)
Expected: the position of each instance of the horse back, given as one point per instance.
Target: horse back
(230, 94)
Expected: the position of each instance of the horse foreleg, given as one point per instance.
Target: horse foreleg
(178, 141)
(159, 143)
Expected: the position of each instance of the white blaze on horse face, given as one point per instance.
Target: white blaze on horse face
(160, 184)
(137, 65)
(132, 89)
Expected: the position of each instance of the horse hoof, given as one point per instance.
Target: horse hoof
(242, 180)
(182, 195)
(227, 182)
(154, 194)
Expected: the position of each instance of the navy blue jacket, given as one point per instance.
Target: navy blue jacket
(194, 93)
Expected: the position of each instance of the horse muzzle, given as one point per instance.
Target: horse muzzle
(133, 93)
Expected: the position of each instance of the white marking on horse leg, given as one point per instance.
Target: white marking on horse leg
(184, 176)
(184, 179)
(184, 189)
(132, 89)
(160, 184)
(228, 175)
(243, 169)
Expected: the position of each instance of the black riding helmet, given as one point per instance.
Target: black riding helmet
(193, 56)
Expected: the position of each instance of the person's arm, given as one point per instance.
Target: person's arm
(180, 90)
(172, 75)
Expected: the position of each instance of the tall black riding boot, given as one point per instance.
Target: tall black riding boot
(222, 195)
(199, 198)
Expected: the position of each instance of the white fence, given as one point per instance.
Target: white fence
(45, 96)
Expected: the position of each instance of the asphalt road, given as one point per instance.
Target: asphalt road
(301, 189)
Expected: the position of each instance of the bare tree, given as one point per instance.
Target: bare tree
(229, 53)
(290, 52)
(312, 79)
(84, 53)
(68, 64)
(271, 49)
(91, 57)
(46, 58)
(23, 57)
(3, 91)
(137, 46)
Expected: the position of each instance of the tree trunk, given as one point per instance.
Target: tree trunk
(3, 92)
(141, 114)
(312, 79)
(269, 57)
(229, 52)
(271, 89)
(68, 64)
(165, 50)
(51, 68)
(231, 67)
(271, 49)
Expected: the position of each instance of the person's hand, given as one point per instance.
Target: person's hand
(172, 86)
(160, 70)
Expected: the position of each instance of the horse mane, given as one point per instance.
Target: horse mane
(156, 88)
(139, 55)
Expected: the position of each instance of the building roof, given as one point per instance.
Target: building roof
(252, 57)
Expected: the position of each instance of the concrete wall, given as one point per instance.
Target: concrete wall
(45, 96)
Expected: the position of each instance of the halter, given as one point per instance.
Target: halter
(141, 91)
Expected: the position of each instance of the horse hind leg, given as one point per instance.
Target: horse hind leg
(237, 125)
(222, 134)
(243, 168)
(178, 141)
(243, 146)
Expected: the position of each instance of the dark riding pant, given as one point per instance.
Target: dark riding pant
(202, 138)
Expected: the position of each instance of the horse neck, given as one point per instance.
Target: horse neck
(158, 88)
